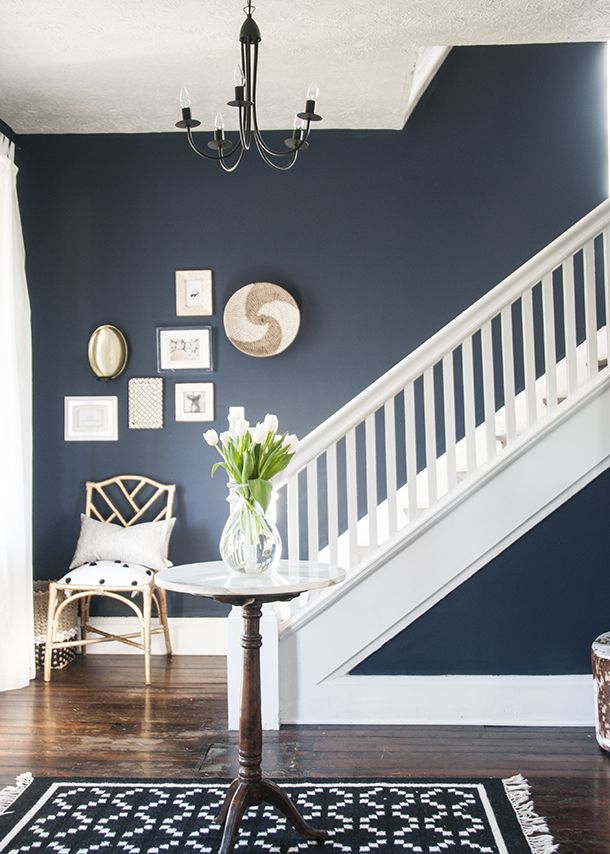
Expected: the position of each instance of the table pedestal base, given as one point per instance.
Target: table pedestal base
(250, 788)
(243, 794)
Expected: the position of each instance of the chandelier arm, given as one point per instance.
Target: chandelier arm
(236, 164)
(270, 162)
(191, 141)
(245, 140)
(260, 142)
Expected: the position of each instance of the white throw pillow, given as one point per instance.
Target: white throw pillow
(145, 544)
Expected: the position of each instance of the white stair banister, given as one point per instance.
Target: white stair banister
(389, 414)
(370, 440)
(590, 306)
(431, 351)
(332, 504)
(550, 356)
(469, 404)
(449, 413)
(354, 530)
(569, 323)
(488, 390)
(606, 248)
(508, 372)
(352, 496)
(411, 443)
(430, 433)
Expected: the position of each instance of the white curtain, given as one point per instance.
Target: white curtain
(16, 618)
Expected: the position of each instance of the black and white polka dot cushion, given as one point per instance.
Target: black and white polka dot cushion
(109, 574)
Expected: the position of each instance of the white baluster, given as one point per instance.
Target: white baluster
(312, 510)
(606, 245)
(469, 412)
(508, 373)
(529, 356)
(293, 517)
(489, 399)
(430, 433)
(550, 355)
(352, 496)
(590, 308)
(569, 321)
(332, 500)
(371, 478)
(390, 463)
(449, 407)
(409, 395)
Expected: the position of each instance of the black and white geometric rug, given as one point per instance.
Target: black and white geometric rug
(362, 816)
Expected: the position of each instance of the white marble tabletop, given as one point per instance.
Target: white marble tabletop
(215, 579)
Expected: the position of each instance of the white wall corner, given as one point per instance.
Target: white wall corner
(270, 667)
(429, 60)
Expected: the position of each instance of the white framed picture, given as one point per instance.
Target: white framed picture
(91, 419)
(194, 401)
(193, 293)
(184, 348)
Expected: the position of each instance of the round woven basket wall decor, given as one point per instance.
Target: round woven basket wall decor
(261, 319)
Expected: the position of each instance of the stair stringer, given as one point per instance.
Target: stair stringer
(316, 654)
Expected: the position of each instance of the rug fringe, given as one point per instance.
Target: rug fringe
(9, 794)
(534, 826)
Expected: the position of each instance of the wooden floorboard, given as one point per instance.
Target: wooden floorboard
(96, 718)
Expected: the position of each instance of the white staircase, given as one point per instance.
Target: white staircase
(430, 472)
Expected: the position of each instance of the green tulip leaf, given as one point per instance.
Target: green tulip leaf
(261, 491)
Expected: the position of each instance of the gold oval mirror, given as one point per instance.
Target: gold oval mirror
(107, 352)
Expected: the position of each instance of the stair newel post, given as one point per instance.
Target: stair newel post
(250, 724)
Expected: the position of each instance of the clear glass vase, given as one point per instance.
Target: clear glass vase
(250, 541)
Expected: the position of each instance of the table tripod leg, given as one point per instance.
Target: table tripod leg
(237, 807)
(273, 795)
(222, 813)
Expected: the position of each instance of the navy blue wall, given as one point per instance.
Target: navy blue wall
(534, 609)
(381, 236)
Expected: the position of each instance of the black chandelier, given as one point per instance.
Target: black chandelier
(229, 153)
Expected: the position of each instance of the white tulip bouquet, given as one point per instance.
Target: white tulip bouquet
(252, 456)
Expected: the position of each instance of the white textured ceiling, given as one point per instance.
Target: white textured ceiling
(78, 66)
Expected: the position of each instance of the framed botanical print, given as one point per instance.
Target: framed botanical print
(193, 293)
(184, 348)
(91, 419)
(194, 401)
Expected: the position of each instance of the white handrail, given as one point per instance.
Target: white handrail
(447, 338)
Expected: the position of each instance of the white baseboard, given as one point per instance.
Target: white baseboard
(449, 700)
(190, 636)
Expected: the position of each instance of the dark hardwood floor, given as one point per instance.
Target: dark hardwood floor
(97, 719)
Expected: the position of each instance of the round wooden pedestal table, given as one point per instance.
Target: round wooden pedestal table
(216, 581)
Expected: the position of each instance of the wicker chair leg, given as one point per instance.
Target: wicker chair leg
(164, 621)
(48, 650)
(84, 621)
(147, 616)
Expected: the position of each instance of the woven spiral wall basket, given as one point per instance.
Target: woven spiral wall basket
(261, 319)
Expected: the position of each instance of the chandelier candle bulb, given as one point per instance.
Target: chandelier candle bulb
(185, 98)
(313, 92)
(298, 128)
(239, 82)
(187, 120)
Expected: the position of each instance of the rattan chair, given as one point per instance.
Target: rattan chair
(124, 500)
